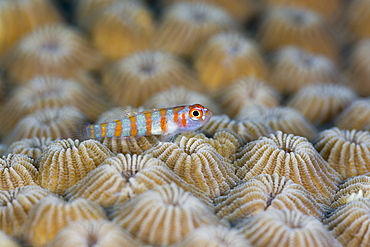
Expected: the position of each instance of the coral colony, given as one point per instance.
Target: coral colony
(184, 123)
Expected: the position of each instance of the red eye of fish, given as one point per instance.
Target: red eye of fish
(196, 113)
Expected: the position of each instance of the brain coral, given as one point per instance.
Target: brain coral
(322, 102)
(55, 50)
(34, 13)
(227, 56)
(329, 9)
(283, 26)
(65, 162)
(293, 68)
(347, 151)
(292, 157)
(266, 192)
(119, 179)
(198, 163)
(144, 74)
(213, 236)
(187, 25)
(281, 118)
(359, 69)
(17, 170)
(15, 206)
(355, 116)
(55, 123)
(32, 147)
(247, 92)
(48, 92)
(247, 129)
(350, 223)
(121, 28)
(51, 214)
(163, 215)
(242, 10)
(352, 189)
(102, 233)
(287, 229)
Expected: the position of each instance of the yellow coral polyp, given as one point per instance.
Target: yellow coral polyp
(65, 162)
(17, 170)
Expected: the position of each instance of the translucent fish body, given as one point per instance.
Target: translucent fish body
(166, 121)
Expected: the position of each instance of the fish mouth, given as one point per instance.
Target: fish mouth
(207, 114)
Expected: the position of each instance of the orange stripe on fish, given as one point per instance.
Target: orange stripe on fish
(133, 126)
(118, 129)
(163, 120)
(148, 118)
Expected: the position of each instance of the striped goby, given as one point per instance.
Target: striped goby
(174, 120)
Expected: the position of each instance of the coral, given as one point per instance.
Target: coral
(123, 177)
(330, 8)
(359, 68)
(357, 19)
(350, 223)
(292, 157)
(144, 74)
(282, 26)
(181, 96)
(100, 233)
(247, 92)
(65, 162)
(351, 190)
(286, 228)
(285, 119)
(49, 92)
(15, 205)
(321, 103)
(163, 215)
(248, 129)
(130, 145)
(54, 123)
(32, 147)
(225, 141)
(52, 214)
(185, 26)
(226, 57)
(355, 116)
(213, 236)
(347, 151)
(266, 192)
(241, 10)
(17, 170)
(198, 163)
(34, 13)
(54, 50)
(122, 28)
(8, 241)
(293, 68)
(85, 10)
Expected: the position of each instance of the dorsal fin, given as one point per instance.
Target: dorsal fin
(116, 114)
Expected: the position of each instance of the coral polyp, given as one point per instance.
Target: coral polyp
(226, 57)
(144, 74)
(187, 25)
(347, 151)
(55, 50)
(65, 162)
(167, 210)
(293, 157)
(122, 28)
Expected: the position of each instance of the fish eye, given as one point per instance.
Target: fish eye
(196, 114)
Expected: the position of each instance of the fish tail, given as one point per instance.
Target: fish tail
(82, 131)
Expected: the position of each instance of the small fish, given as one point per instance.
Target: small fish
(166, 121)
